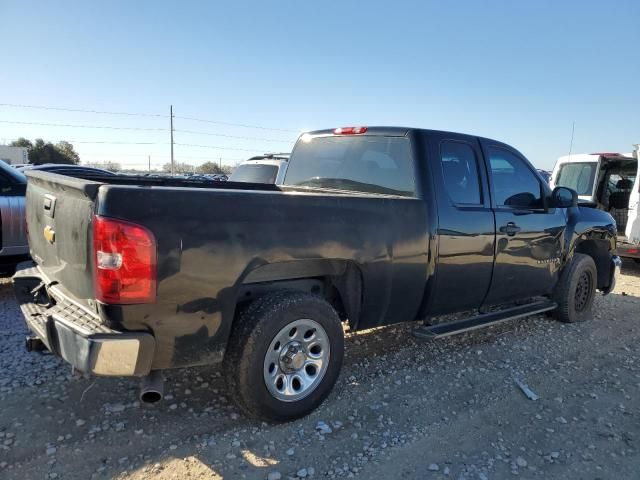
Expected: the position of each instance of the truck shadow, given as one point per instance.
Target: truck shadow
(198, 432)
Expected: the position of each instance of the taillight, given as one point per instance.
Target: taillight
(350, 130)
(125, 262)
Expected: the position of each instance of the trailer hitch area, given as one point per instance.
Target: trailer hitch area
(34, 344)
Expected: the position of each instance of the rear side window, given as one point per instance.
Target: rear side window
(578, 176)
(372, 164)
(514, 184)
(460, 172)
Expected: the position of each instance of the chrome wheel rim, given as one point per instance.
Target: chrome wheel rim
(296, 360)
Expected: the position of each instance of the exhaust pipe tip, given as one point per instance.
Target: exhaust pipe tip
(152, 388)
(150, 396)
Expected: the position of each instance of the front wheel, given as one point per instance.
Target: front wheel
(284, 355)
(576, 290)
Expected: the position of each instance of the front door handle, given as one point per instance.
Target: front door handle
(510, 229)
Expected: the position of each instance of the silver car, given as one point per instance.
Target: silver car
(13, 240)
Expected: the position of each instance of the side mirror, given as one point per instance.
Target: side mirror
(564, 197)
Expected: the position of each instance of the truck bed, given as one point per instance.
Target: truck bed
(215, 239)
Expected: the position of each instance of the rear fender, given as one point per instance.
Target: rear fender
(340, 281)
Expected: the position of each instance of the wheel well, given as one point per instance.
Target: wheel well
(343, 291)
(599, 251)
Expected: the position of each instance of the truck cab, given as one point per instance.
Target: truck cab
(609, 182)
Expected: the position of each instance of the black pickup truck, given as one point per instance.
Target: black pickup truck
(372, 226)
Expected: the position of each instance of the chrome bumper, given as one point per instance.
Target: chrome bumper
(616, 265)
(76, 334)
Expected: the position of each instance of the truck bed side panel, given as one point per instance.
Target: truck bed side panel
(209, 241)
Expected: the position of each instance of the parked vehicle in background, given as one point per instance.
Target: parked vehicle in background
(268, 168)
(65, 169)
(545, 175)
(13, 238)
(14, 155)
(370, 226)
(609, 182)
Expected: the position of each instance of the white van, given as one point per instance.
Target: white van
(610, 182)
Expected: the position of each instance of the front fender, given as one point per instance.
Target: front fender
(584, 223)
(592, 232)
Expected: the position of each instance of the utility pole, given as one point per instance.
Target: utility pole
(220, 164)
(173, 168)
(149, 162)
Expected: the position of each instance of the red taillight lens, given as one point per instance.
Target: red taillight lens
(125, 262)
(349, 130)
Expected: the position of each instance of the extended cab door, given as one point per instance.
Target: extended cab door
(632, 230)
(466, 228)
(528, 233)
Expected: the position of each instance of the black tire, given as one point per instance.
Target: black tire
(576, 290)
(252, 335)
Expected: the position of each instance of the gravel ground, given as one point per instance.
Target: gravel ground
(403, 408)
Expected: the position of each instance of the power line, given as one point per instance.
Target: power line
(209, 157)
(84, 126)
(221, 148)
(79, 110)
(217, 147)
(140, 129)
(136, 114)
(243, 125)
(118, 143)
(241, 137)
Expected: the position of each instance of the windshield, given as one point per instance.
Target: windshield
(255, 173)
(578, 176)
(373, 164)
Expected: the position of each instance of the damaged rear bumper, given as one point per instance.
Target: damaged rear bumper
(76, 334)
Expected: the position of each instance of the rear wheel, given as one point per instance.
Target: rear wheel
(576, 290)
(284, 355)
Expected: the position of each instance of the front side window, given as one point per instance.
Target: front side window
(514, 184)
(367, 163)
(460, 172)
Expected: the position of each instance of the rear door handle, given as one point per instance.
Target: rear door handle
(510, 229)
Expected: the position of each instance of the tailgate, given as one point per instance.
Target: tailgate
(59, 212)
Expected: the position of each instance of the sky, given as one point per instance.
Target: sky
(519, 72)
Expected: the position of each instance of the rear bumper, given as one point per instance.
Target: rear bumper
(616, 265)
(76, 334)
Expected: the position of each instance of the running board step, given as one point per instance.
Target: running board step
(483, 320)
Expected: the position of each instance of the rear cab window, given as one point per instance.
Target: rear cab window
(460, 172)
(359, 163)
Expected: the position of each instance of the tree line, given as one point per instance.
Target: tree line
(41, 152)
(211, 168)
(46, 152)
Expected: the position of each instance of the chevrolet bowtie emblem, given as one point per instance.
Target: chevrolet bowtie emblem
(49, 234)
